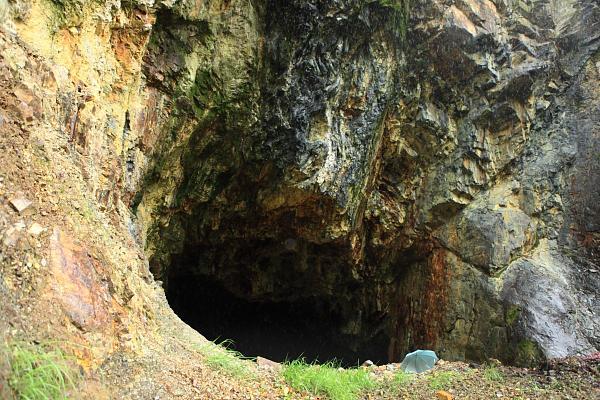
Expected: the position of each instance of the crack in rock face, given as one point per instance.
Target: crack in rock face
(372, 179)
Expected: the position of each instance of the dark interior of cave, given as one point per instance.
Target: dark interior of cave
(279, 331)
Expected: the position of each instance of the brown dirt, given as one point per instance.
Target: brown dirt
(573, 378)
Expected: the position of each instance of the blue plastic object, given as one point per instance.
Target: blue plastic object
(419, 361)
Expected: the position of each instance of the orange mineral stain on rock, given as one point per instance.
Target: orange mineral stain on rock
(79, 284)
(443, 395)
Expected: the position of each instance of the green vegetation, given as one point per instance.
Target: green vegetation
(401, 14)
(399, 381)
(62, 14)
(512, 314)
(328, 379)
(402, 378)
(442, 380)
(221, 357)
(38, 372)
(493, 374)
(528, 353)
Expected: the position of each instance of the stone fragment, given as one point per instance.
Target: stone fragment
(25, 111)
(368, 363)
(12, 235)
(28, 104)
(19, 226)
(542, 104)
(20, 204)
(443, 395)
(266, 363)
(540, 282)
(24, 94)
(15, 58)
(36, 229)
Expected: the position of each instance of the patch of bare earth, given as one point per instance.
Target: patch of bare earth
(572, 378)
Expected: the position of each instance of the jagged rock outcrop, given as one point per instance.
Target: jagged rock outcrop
(425, 171)
(372, 165)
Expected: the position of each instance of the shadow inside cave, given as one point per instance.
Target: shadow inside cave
(283, 330)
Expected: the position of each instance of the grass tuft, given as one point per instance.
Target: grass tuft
(402, 378)
(37, 372)
(493, 374)
(398, 383)
(327, 379)
(221, 357)
(442, 380)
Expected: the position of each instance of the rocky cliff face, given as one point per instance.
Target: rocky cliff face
(424, 171)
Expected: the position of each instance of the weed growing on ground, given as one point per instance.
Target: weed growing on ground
(221, 357)
(38, 372)
(397, 382)
(327, 379)
(442, 380)
(402, 378)
(493, 374)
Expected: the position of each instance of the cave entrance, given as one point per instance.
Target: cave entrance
(278, 330)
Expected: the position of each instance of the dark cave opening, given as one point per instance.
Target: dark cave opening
(306, 328)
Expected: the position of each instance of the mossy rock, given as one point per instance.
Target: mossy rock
(400, 14)
(67, 13)
(512, 315)
(528, 354)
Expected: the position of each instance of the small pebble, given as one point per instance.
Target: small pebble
(367, 363)
(36, 229)
(20, 204)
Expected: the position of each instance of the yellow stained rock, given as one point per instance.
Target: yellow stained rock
(443, 395)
